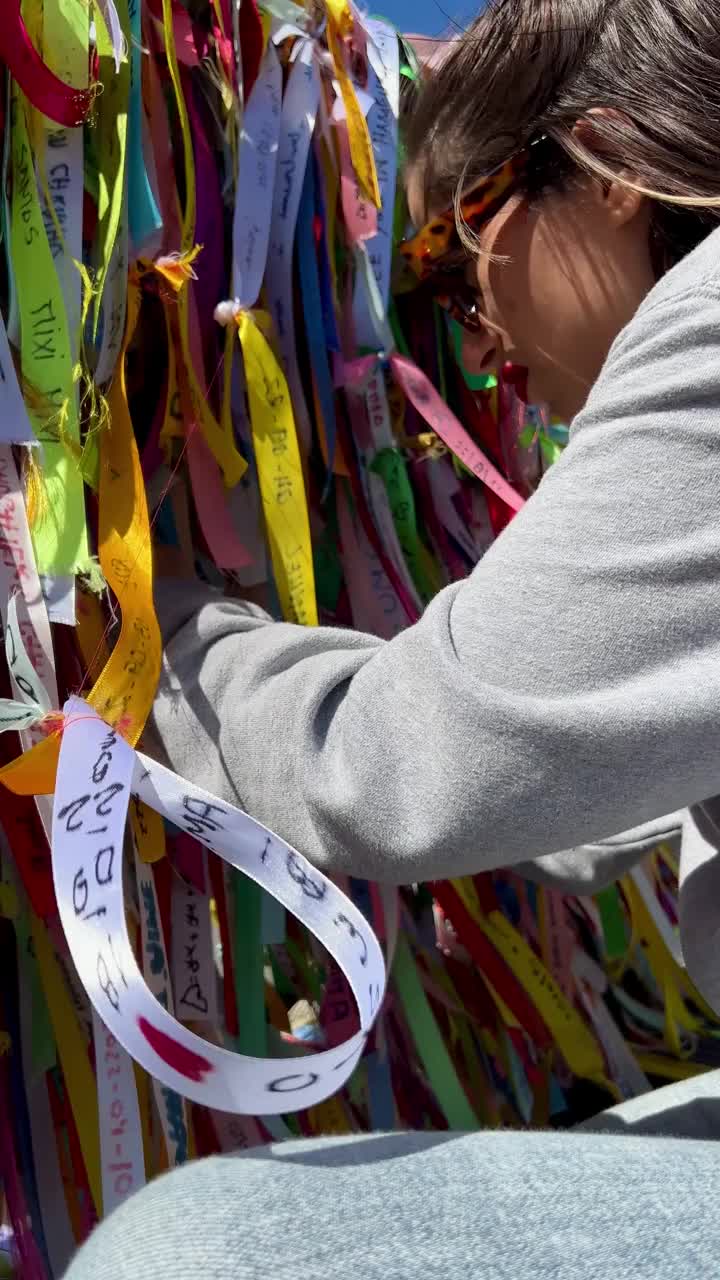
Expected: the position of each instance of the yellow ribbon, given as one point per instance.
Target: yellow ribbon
(282, 487)
(329, 1117)
(91, 633)
(148, 830)
(73, 1054)
(668, 974)
(573, 1038)
(123, 694)
(125, 691)
(653, 1064)
(575, 1041)
(339, 27)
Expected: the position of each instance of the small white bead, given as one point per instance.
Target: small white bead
(226, 312)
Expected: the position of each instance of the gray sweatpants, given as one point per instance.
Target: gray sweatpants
(628, 1201)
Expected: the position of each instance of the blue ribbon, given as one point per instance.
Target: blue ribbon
(332, 337)
(143, 212)
(313, 312)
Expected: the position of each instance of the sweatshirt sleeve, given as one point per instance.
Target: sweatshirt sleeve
(591, 867)
(570, 687)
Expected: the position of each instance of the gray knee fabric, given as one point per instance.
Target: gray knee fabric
(483, 1206)
(689, 1109)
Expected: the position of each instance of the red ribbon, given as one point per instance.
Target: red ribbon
(490, 962)
(251, 44)
(24, 831)
(57, 100)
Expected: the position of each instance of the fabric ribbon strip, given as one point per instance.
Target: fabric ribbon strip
(61, 102)
(96, 773)
(126, 687)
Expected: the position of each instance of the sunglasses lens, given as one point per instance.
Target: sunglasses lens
(460, 301)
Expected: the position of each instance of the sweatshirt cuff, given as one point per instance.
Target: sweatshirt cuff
(178, 601)
(589, 868)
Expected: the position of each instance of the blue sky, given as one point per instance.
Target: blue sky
(422, 16)
(426, 17)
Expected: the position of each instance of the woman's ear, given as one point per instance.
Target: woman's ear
(621, 203)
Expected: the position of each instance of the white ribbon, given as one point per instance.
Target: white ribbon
(97, 771)
(299, 110)
(194, 977)
(122, 1162)
(384, 86)
(257, 162)
(33, 703)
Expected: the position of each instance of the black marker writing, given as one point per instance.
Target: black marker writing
(199, 816)
(286, 1084)
(342, 920)
(311, 888)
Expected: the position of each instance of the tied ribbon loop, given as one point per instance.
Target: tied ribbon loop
(96, 927)
(46, 91)
(176, 269)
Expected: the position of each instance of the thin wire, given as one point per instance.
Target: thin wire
(453, 21)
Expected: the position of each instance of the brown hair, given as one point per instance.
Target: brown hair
(529, 69)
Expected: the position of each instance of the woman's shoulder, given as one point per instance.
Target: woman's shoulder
(697, 273)
(674, 331)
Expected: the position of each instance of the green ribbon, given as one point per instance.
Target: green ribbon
(327, 566)
(475, 381)
(111, 134)
(249, 967)
(42, 1045)
(390, 465)
(612, 919)
(429, 1042)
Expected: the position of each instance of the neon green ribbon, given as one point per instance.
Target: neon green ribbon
(430, 1044)
(59, 531)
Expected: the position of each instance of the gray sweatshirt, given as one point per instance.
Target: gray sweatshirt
(570, 687)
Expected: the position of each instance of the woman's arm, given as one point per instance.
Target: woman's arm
(569, 687)
(591, 867)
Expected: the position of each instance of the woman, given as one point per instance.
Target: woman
(569, 688)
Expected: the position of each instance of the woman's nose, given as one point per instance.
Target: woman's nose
(479, 351)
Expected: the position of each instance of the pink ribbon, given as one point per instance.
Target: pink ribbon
(57, 100)
(360, 214)
(429, 404)
(420, 391)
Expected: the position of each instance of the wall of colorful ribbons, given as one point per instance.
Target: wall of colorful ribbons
(207, 344)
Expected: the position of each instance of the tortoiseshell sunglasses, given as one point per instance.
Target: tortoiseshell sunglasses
(436, 252)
